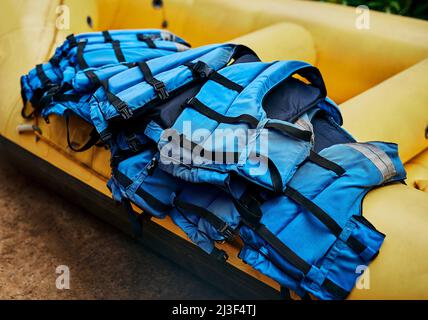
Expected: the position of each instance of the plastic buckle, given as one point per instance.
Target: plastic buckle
(159, 87)
(152, 166)
(49, 96)
(124, 110)
(106, 136)
(133, 143)
(227, 232)
(202, 69)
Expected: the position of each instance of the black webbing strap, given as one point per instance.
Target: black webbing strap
(221, 226)
(283, 250)
(147, 197)
(337, 291)
(157, 85)
(107, 36)
(72, 40)
(133, 141)
(24, 103)
(47, 98)
(54, 61)
(196, 104)
(325, 163)
(118, 51)
(249, 209)
(214, 115)
(65, 97)
(304, 135)
(24, 113)
(121, 106)
(202, 70)
(325, 218)
(199, 69)
(355, 245)
(42, 75)
(130, 64)
(226, 156)
(195, 148)
(319, 213)
(57, 94)
(250, 212)
(275, 176)
(95, 80)
(94, 137)
(93, 77)
(150, 43)
(79, 56)
(225, 82)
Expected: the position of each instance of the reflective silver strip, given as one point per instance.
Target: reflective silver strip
(379, 158)
(168, 36)
(181, 47)
(305, 125)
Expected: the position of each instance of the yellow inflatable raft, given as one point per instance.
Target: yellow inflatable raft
(377, 72)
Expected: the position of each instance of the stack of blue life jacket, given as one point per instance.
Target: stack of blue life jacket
(83, 62)
(227, 146)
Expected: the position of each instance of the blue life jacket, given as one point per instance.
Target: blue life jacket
(150, 36)
(137, 179)
(130, 160)
(338, 162)
(157, 89)
(314, 237)
(92, 50)
(281, 146)
(144, 89)
(307, 233)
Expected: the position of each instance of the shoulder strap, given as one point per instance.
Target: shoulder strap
(94, 137)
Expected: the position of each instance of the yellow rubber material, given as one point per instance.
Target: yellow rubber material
(417, 171)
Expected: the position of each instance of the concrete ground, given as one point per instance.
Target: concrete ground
(40, 231)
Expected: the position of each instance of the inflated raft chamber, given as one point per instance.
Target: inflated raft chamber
(93, 92)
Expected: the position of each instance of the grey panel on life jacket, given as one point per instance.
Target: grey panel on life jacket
(379, 158)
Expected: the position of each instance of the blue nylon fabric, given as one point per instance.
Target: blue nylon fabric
(82, 84)
(133, 76)
(198, 229)
(99, 53)
(31, 82)
(136, 96)
(79, 108)
(155, 190)
(127, 35)
(341, 198)
(258, 79)
(158, 184)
